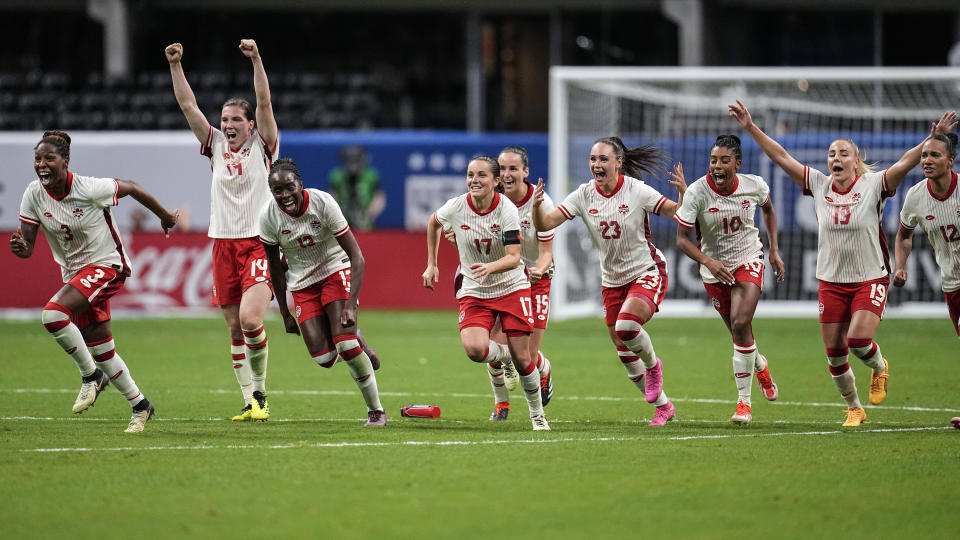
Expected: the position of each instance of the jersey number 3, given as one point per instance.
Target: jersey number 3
(610, 230)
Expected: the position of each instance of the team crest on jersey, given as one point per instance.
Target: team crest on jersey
(856, 197)
(931, 218)
(716, 303)
(47, 214)
(713, 210)
(299, 310)
(821, 308)
(525, 224)
(594, 211)
(623, 209)
(78, 213)
(316, 224)
(463, 315)
(245, 152)
(495, 228)
(745, 204)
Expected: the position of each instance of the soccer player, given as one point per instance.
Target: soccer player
(852, 263)
(74, 212)
(487, 230)
(615, 207)
(934, 205)
(536, 252)
(721, 207)
(325, 273)
(240, 154)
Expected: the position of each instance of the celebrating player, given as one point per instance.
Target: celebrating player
(240, 157)
(325, 275)
(721, 206)
(74, 212)
(487, 230)
(852, 263)
(614, 207)
(536, 252)
(934, 205)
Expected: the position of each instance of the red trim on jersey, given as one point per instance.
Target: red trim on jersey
(269, 151)
(566, 213)
(886, 191)
(547, 239)
(953, 186)
(25, 219)
(713, 185)
(529, 194)
(342, 231)
(66, 192)
(493, 205)
(661, 264)
(435, 218)
(884, 247)
(659, 205)
(615, 189)
(765, 201)
(904, 226)
(682, 223)
(806, 181)
(833, 187)
(117, 242)
(206, 148)
(304, 204)
(116, 192)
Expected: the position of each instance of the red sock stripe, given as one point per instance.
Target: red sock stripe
(531, 366)
(236, 342)
(321, 353)
(744, 349)
(350, 354)
(622, 348)
(134, 397)
(101, 342)
(253, 333)
(858, 343)
(103, 357)
(837, 353)
(343, 337)
(56, 326)
(629, 359)
(53, 306)
(623, 316)
(117, 374)
(260, 345)
(839, 370)
(539, 359)
(627, 335)
(241, 356)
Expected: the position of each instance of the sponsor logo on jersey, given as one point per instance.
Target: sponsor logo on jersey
(931, 218)
(227, 156)
(465, 227)
(745, 204)
(594, 211)
(623, 209)
(525, 224)
(48, 214)
(495, 229)
(713, 210)
(78, 213)
(828, 199)
(285, 231)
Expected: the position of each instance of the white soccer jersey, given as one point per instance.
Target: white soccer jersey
(851, 248)
(529, 237)
(480, 240)
(308, 240)
(726, 230)
(940, 219)
(79, 226)
(239, 188)
(619, 226)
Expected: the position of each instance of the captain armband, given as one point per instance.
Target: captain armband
(511, 237)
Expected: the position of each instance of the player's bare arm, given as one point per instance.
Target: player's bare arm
(718, 269)
(902, 247)
(432, 274)
(772, 148)
(770, 223)
(278, 277)
(23, 240)
(348, 316)
(898, 171)
(167, 219)
(266, 123)
(184, 94)
(544, 260)
(544, 221)
(507, 262)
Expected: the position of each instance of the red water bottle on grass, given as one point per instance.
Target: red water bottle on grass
(420, 411)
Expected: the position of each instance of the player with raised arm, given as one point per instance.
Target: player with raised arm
(615, 207)
(721, 207)
(487, 230)
(934, 205)
(325, 273)
(74, 213)
(852, 258)
(240, 153)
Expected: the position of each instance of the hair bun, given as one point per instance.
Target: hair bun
(57, 133)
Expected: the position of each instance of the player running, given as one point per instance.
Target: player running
(615, 207)
(934, 206)
(74, 212)
(240, 153)
(325, 273)
(487, 230)
(721, 207)
(852, 262)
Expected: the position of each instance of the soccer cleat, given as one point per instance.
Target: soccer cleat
(540, 423)
(664, 414)
(138, 420)
(878, 384)
(653, 384)
(89, 390)
(955, 422)
(855, 417)
(546, 388)
(376, 419)
(246, 414)
(259, 408)
(510, 376)
(768, 387)
(500, 411)
(742, 417)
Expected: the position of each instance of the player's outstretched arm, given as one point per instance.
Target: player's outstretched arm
(348, 316)
(772, 148)
(770, 223)
(432, 274)
(23, 240)
(185, 98)
(544, 221)
(278, 277)
(167, 219)
(266, 123)
(902, 247)
(898, 171)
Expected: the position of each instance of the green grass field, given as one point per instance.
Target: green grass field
(314, 471)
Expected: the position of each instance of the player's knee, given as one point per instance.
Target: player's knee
(741, 329)
(54, 317)
(477, 353)
(325, 359)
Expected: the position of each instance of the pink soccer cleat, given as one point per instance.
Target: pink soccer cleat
(767, 385)
(654, 383)
(955, 422)
(664, 414)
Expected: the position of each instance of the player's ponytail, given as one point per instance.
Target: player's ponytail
(642, 159)
(59, 139)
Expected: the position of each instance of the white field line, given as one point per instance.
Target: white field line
(459, 395)
(303, 444)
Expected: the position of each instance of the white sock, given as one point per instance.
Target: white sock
(744, 357)
(543, 364)
(869, 353)
(631, 332)
(56, 319)
(256, 341)
(631, 362)
(499, 352)
(110, 363)
(531, 390)
(241, 368)
(661, 399)
(500, 392)
(358, 363)
(845, 381)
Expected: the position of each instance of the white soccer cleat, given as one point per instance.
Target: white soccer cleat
(89, 392)
(510, 376)
(139, 418)
(540, 423)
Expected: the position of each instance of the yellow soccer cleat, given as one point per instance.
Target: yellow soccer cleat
(878, 384)
(855, 417)
(259, 408)
(245, 415)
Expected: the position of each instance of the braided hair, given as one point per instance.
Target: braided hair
(286, 164)
(60, 140)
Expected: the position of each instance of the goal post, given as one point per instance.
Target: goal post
(885, 111)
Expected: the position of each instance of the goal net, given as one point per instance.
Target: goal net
(884, 110)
